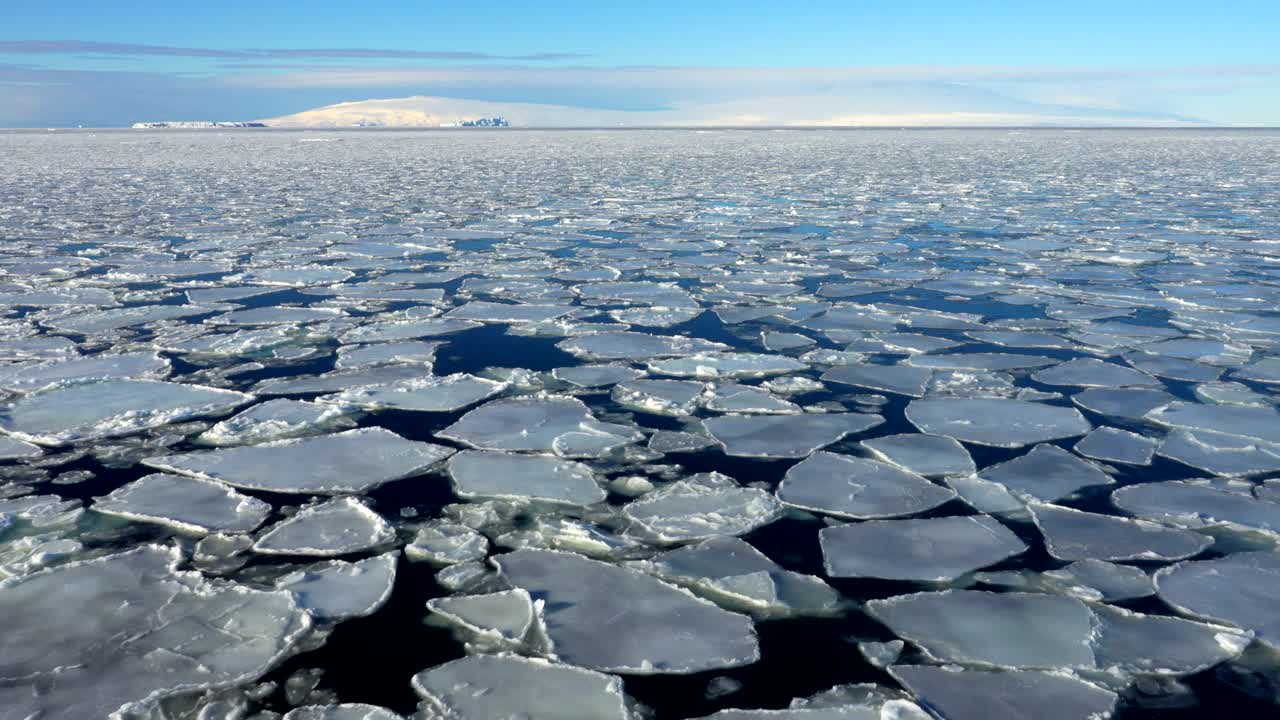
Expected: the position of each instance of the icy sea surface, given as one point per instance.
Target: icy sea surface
(627, 425)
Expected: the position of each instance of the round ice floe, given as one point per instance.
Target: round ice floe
(428, 394)
(354, 461)
(186, 504)
(929, 550)
(610, 618)
(337, 590)
(1092, 372)
(997, 422)
(858, 488)
(487, 687)
(562, 425)
(1239, 589)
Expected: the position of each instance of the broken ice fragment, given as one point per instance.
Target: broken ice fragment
(354, 461)
(678, 398)
(633, 346)
(703, 506)
(927, 455)
(332, 528)
(1221, 454)
(1113, 445)
(858, 488)
(1239, 589)
(1092, 372)
(562, 425)
(1075, 535)
(1252, 422)
(996, 422)
(899, 379)
(727, 365)
(62, 415)
(1195, 505)
(785, 436)
(503, 617)
(446, 543)
(278, 419)
(653, 628)
(27, 376)
(1046, 473)
(488, 687)
(957, 694)
(188, 505)
(930, 550)
(592, 376)
(479, 474)
(427, 394)
(343, 711)
(338, 590)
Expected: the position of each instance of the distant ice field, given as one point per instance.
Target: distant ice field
(639, 425)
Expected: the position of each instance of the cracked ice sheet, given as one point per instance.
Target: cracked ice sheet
(63, 415)
(355, 461)
(188, 505)
(557, 424)
(175, 632)
(654, 628)
(27, 376)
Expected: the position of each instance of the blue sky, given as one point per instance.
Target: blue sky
(101, 64)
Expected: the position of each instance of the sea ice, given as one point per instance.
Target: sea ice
(562, 425)
(1195, 505)
(653, 628)
(1238, 589)
(858, 488)
(899, 379)
(492, 687)
(785, 436)
(339, 590)
(334, 527)
(929, 550)
(1046, 473)
(278, 419)
(1112, 445)
(703, 506)
(481, 474)
(426, 394)
(927, 455)
(957, 694)
(354, 461)
(1076, 535)
(727, 365)
(1092, 372)
(997, 422)
(188, 505)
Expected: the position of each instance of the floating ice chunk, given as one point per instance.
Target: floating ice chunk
(1221, 454)
(655, 316)
(577, 536)
(391, 353)
(678, 398)
(354, 461)
(299, 276)
(633, 346)
(335, 527)
(491, 312)
(1230, 393)
(703, 506)
(1172, 368)
(1014, 630)
(1075, 535)
(1112, 445)
(980, 361)
(340, 380)
(276, 316)
(1194, 505)
(1046, 473)
(444, 543)
(502, 617)
(338, 590)
(748, 400)
(479, 474)
(735, 575)
(727, 365)
(189, 505)
(793, 385)
(103, 321)
(782, 341)
(672, 441)
(1258, 423)
(899, 379)
(170, 631)
(858, 488)
(1239, 589)
(653, 628)
(1109, 582)
(427, 394)
(78, 413)
(395, 330)
(26, 376)
(592, 376)
(931, 550)
(489, 687)
(927, 455)
(1266, 370)
(1127, 403)
(1092, 372)
(785, 436)
(957, 694)
(996, 422)
(562, 425)
(14, 449)
(833, 713)
(984, 495)
(343, 711)
(276, 420)
(1129, 642)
